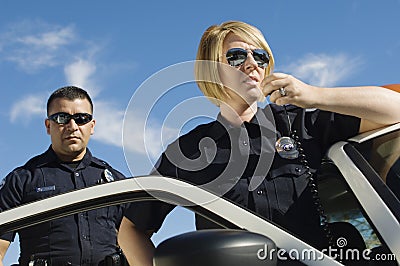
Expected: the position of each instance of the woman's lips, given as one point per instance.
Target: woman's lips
(251, 81)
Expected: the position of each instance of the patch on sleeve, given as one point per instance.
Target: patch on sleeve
(108, 176)
(2, 183)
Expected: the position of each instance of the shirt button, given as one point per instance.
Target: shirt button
(76, 174)
(260, 192)
(245, 143)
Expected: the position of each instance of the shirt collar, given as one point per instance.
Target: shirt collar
(284, 120)
(260, 119)
(50, 157)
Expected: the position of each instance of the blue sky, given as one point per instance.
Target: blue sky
(113, 48)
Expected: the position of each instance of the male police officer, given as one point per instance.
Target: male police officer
(82, 239)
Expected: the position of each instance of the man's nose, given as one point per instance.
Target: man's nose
(72, 125)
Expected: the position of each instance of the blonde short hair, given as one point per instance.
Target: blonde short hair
(210, 51)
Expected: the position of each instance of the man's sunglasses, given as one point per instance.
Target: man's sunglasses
(237, 56)
(64, 118)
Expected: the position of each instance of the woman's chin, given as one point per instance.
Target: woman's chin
(261, 98)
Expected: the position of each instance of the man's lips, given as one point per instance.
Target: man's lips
(72, 138)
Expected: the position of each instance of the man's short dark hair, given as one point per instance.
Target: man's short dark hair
(71, 93)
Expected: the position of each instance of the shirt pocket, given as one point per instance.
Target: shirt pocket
(109, 217)
(286, 184)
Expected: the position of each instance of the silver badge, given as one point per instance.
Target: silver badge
(287, 148)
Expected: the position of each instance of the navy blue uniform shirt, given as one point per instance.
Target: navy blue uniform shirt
(81, 239)
(244, 157)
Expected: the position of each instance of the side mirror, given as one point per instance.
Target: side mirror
(216, 248)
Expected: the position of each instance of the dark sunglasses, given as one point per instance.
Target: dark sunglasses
(64, 118)
(237, 56)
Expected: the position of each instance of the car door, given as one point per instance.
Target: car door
(358, 185)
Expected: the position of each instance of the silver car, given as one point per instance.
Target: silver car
(359, 187)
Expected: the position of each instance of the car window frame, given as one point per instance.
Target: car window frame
(364, 183)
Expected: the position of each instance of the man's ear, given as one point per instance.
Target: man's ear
(93, 125)
(47, 124)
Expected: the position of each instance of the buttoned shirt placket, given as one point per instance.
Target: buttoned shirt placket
(83, 221)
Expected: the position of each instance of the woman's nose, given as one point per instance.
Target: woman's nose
(250, 62)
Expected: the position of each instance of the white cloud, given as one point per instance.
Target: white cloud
(27, 108)
(53, 39)
(143, 142)
(323, 69)
(33, 44)
(108, 123)
(79, 73)
(145, 139)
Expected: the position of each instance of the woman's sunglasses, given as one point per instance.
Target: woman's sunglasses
(237, 56)
(64, 118)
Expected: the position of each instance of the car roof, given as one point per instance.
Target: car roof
(375, 133)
